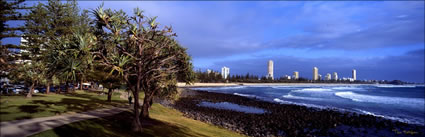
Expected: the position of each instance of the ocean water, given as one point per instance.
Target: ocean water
(232, 106)
(403, 103)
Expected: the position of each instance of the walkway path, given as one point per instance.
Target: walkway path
(27, 127)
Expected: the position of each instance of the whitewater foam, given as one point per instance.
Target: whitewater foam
(347, 88)
(414, 102)
(394, 86)
(299, 97)
(220, 88)
(313, 90)
(404, 120)
(244, 95)
(301, 104)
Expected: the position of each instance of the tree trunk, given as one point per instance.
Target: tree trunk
(137, 126)
(73, 87)
(81, 85)
(145, 108)
(67, 87)
(29, 95)
(110, 93)
(59, 88)
(48, 88)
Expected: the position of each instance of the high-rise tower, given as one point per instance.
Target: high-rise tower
(335, 76)
(328, 77)
(225, 71)
(354, 74)
(315, 73)
(270, 69)
(296, 75)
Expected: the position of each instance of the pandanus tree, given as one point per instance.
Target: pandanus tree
(147, 57)
(31, 73)
(71, 56)
(109, 80)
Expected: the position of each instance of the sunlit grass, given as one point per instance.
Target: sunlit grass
(165, 122)
(42, 105)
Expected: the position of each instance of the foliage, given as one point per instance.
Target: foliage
(58, 36)
(9, 11)
(148, 58)
(212, 77)
(30, 73)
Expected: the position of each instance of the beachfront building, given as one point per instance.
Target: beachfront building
(347, 79)
(354, 74)
(328, 76)
(296, 75)
(315, 73)
(335, 76)
(225, 72)
(270, 69)
(320, 77)
(287, 77)
(209, 71)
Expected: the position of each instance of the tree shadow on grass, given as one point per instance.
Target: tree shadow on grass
(30, 108)
(82, 103)
(120, 125)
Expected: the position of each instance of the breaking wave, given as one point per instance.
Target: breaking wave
(404, 120)
(244, 95)
(220, 88)
(395, 86)
(416, 102)
(301, 104)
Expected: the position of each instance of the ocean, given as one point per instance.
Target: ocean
(403, 103)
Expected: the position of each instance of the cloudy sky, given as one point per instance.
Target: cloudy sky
(381, 40)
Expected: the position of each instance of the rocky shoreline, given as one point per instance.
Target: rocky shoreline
(288, 120)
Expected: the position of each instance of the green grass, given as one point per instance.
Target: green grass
(42, 105)
(164, 122)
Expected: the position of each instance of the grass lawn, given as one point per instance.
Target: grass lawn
(42, 105)
(164, 122)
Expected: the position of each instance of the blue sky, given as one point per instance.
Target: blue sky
(382, 40)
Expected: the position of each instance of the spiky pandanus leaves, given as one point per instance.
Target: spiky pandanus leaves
(71, 56)
(145, 56)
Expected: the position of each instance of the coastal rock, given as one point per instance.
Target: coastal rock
(286, 119)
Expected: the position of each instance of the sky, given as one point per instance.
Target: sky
(382, 40)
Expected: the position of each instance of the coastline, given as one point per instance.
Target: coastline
(288, 119)
(180, 84)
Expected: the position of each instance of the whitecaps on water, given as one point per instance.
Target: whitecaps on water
(243, 95)
(219, 88)
(347, 88)
(301, 104)
(404, 120)
(313, 90)
(394, 86)
(415, 102)
(299, 97)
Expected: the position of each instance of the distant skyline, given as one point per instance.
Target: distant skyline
(382, 40)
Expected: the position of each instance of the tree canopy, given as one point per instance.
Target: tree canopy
(147, 57)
